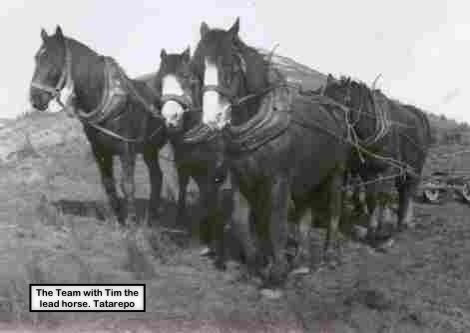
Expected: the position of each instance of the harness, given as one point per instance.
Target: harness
(117, 90)
(272, 120)
(200, 133)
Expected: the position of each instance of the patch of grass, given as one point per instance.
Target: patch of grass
(166, 246)
(15, 294)
(49, 215)
(138, 261)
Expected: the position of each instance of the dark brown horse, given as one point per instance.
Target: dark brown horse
(395, 139)
(198, 151)
(118, 114)
(280, 145)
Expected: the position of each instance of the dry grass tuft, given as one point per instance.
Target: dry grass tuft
(48, 214)
(138, 260)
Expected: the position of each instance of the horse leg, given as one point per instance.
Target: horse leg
(216, 225)
(360, 200)
(183, 180)
(406, 190)
(156, 179)
(204, 223)
(243, 224)
(294, 240)
(128, 186)
(105, 167)
(334, 215)
(372, 202)
(278, 216)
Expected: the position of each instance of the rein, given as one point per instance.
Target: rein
(183, 100)
(120, 137)
(234, 103)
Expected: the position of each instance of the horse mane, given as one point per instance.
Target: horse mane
(252, 57)
(257, 67)
(364, 91)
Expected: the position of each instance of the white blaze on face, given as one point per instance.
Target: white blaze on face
(215, 107)
(172, 111)
(41, 51)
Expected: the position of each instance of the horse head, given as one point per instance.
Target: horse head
(227, 70)
(52, 71)
(178, 88)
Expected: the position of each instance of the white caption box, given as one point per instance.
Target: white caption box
(87, 297)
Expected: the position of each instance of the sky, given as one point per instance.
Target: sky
(421, 48)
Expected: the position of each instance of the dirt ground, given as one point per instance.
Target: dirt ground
(55, 229)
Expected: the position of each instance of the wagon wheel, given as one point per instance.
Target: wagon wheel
(435, 195)
(465, 192)
(431, 195)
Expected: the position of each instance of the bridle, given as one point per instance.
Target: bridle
(65, 79)
(229, 94)
(223, 91)
(184, 100)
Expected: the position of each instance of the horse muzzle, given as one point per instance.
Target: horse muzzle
(40, 100)
(220, 120)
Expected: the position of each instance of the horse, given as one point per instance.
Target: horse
(119, 115)
(198, 151)
(280, 145)
(393, 142)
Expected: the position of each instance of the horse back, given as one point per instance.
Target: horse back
(411, 130)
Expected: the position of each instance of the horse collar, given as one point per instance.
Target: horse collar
(114, 95)
(272, 120)
(200, 133)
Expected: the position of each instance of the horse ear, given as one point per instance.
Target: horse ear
(186, 54)
(329, 79)
(44, 34)
(204, 29)
(162, 54)
(235, 27)
(58, 31)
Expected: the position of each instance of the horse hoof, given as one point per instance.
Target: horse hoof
(131, 224)
(220, 265)
(406, 226)
(300, 271)
(206, 252)
(359, 233)
(271, 294)
(331, 259)
(386, 246)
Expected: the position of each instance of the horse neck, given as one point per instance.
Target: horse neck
(87, 75)
(364, 114)
(254, 81)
